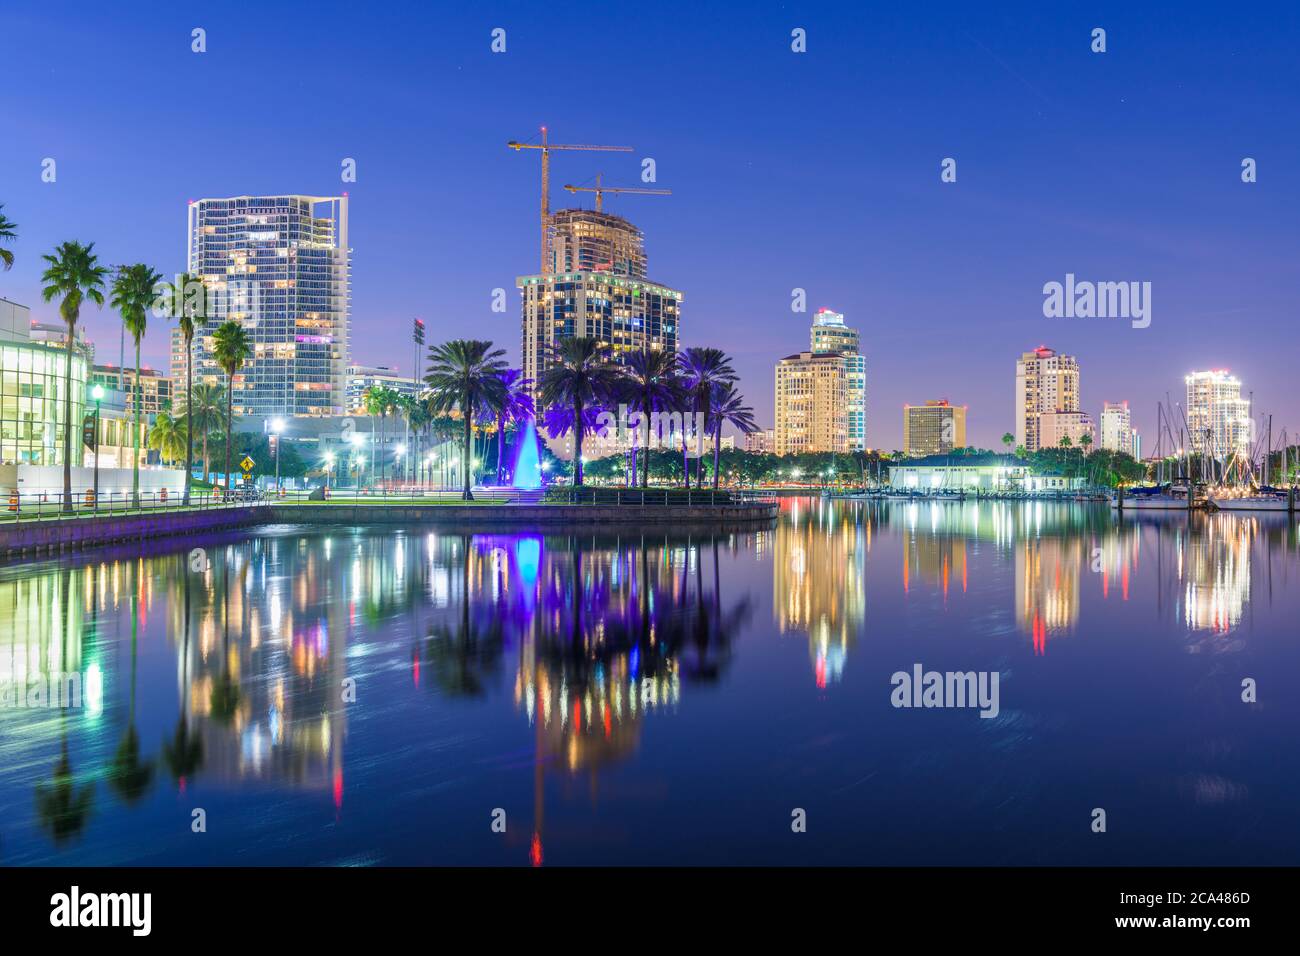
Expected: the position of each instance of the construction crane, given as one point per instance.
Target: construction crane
(600, 191)
(546, 148)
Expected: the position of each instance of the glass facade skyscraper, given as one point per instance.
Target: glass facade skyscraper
(280, 266)
(830, 334)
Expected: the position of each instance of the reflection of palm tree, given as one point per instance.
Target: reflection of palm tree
(184, 754)
(460, 658)
(62, 806)
(130, 776)
(225, 692)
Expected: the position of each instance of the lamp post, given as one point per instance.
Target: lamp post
(97, 393)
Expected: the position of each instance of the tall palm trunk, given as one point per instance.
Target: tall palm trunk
(577, 443)
(135, 438)
(645, 452)
(717, 445)
(189, 420)
(67, 424)
(469, 429)
(230, 422)
(501, 447)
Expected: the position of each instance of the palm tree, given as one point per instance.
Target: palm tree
(1065, 441)
(205, 416)
(231, 349)
(8, 232)
(728, 407)
(1008, 439)
(189, 317)
(515, 408)
(170, 436)
(702, 370)
(133, 293)
(653, 387)
(465, 374)
(1085, 442)
(73, 276)
(579, 376)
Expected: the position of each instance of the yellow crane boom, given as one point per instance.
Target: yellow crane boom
(600, 191)
(546, 148)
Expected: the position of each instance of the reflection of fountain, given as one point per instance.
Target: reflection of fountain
(528, 470)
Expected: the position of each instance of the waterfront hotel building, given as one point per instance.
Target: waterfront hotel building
(32, 389)
(281, 267)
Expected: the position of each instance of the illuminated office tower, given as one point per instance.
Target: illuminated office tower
(830, 334)
(1045, 382)
(934, 428)
(280, 266)
(1218, 418)
(812, 403)
(1116, 427)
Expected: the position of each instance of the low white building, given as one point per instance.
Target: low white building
(981, 472)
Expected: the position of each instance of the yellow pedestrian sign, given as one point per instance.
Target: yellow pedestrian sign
(247, 464)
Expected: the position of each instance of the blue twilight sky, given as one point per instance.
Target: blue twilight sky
(817, 170)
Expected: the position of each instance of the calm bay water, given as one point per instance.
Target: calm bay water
(629, 698)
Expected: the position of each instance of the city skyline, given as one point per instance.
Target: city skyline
(952, 269)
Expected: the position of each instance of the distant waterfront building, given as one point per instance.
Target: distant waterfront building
(830, 334)
(1054, 426)
(811, 403)
(280, 266)
(1116, 427)
(1045, 382)
(987, 471)
(934, 428)
(761, 442)
(1218, 418)
(155, 387)
(361, 378)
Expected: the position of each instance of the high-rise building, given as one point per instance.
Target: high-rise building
(1218, 418)
(155, 388)
(934, 428)
(812, 403)
(281, 267)
(1116, 427)
(1045, 382)
(1055, 426)
(584, 240)
(607, 296)
(830, 334)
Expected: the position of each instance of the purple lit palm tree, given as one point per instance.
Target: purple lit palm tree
(702, 370)
(653, 386)
(728, 408)
(579, 377)
(464, 374)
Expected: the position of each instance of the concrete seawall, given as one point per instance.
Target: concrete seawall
(30, 537)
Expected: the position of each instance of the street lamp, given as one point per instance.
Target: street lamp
(277, 429)
(357, 440)
(97, 393)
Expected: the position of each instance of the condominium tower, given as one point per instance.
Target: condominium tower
(934, 428)
(1218, 418)
(280, 266)
(599, 289)
(1045, 382)
(1116, 427)
(811, 405)
(830, 334)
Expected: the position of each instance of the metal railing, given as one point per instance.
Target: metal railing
(655, 496)
(49, 506)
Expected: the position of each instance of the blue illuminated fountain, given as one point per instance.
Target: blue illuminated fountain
(528, 470)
